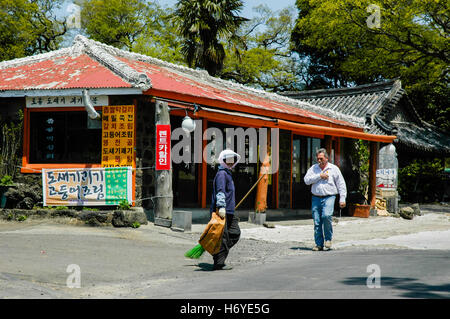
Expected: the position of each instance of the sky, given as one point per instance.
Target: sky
(247, 11)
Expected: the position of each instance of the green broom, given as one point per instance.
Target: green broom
(197, 251)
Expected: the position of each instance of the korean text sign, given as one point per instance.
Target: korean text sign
(163, 147)
(86, 186)
(118, 138)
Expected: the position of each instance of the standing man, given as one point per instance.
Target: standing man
(327, 181)
(223, 201)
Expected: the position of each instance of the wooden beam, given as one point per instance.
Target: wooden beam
(307, 128)
(252, 110)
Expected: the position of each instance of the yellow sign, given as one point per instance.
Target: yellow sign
(118, 140)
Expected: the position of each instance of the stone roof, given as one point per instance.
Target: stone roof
(378, 105)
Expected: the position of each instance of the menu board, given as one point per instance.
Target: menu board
(118, 139)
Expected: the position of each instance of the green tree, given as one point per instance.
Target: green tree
(265, 58)
(137, 25)
(160, 38)
(28, 27)
(204, 25)
(115, 22)
(411, 42)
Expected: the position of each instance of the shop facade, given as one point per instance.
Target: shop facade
(57, 92)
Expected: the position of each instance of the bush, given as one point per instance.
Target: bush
(6, 181)
(124, 205)
(422, 181)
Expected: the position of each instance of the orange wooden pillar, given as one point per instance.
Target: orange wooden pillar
(373, 159)
(261, 190)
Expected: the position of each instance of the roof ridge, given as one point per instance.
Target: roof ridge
(211, 80)
(35, 58)
(93, 49)
(376, 86)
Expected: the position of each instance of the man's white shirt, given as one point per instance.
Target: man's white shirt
(335, 184)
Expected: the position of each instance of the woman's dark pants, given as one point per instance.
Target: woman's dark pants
(231, 235)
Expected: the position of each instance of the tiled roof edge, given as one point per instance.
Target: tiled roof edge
(139, 80)
(203, 75)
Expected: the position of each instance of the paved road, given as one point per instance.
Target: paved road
(333, 274)
(149, 263)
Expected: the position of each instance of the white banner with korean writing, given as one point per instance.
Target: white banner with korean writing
(86, 186)
(62, 101)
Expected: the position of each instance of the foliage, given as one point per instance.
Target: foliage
(6, 180)
(124, 205)
(265, 60)
(139, 26)
(90, 209)
(28, 27)
(362, 156)
(56, 207)
(160, 38)
(411, 43)
(21, 218)
(11, 143)
(422, 181)
(203, 25)
(136, 225)
(115, 22)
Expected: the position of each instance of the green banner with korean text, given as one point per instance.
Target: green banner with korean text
(86, 186)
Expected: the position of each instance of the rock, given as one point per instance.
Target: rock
(268, 225)
(26, 203)
(93, 217)
(416, 209)
(407, 213)
(23, 196)
(126, 218)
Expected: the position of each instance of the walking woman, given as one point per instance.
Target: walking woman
(223, 201)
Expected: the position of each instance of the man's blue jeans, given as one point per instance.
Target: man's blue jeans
(322, 213)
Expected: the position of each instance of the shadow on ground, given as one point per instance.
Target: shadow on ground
(409, 286)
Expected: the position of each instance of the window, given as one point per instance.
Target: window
(63, 137)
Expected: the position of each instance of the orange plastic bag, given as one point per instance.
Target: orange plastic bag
(211, 239)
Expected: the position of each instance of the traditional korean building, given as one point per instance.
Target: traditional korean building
(57, 91)
(386, 109)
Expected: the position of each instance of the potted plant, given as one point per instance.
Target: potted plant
(359, 210)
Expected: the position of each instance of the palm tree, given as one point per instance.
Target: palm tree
(203, 24)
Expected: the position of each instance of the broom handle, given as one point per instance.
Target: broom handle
(250, 190)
